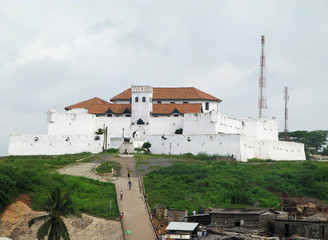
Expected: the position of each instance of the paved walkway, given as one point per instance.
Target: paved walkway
(136, 218)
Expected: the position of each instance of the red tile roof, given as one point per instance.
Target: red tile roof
(182, 108)
(99, 106)
(187, 93)
(88, 103)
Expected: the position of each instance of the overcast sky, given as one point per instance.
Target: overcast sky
(57, 53)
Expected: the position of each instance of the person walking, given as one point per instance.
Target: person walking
(129, 174)
(121, 194)
(130, 184)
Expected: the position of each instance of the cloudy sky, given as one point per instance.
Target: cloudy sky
(57, 53)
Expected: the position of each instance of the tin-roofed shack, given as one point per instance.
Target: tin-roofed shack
(254, 219)
(303, 228)
(180, 230)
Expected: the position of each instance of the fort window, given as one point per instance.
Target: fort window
(136, 99)
(207, 106)
(128, 115)
(143, 99)
(109, 115)
(159, 101)
(176, 115)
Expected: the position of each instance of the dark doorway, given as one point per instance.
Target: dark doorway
(286, 230)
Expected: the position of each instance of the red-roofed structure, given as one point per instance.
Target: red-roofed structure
(181, 93)
(178, 100)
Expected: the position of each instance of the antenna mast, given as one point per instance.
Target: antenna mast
(286, 98)
(262, 83)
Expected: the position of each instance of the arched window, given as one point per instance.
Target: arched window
(136, 99)
(143, 99)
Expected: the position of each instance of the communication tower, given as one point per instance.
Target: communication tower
(262, 82)
(286, 98)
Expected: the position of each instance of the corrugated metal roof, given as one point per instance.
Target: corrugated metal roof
(182, 226)
(176, 236)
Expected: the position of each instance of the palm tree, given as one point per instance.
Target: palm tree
(57, 205)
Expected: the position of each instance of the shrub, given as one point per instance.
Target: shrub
(179, 131)
(146, 145)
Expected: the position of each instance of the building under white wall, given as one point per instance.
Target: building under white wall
(144, 113)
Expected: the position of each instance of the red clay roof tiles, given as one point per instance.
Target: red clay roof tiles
(187, 93)
(182, 108)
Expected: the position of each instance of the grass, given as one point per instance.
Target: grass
(223, 184)
(105, 167)
(34, 175)
(44, 163)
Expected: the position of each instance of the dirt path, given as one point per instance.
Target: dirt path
(136, 217)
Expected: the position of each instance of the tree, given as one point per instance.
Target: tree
(57, 205)
(179, 131)
(147, 145)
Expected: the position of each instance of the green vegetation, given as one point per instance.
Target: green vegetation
(57, 205)
(113, 150)
(100, 131)
(222, 184)
(105, 167)
(179, 131)
(147, 145)
(32, 175)
(314, 141)
(44, 163)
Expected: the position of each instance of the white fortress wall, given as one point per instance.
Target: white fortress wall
(260, 128)
(114, 124)
(70, 123)
(228, 125)
(271, 149)
(53, 144)
(210, 144)
(165, 125)
(199, 123)
(210, 123)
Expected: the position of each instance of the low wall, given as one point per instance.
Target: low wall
(211, 144)
(270, 149)
(53, 144)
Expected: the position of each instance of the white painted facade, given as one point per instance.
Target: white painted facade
(210, 132)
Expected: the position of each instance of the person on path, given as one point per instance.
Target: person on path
(129, 173)
(120, 217)
(121, 194)
(130, 184)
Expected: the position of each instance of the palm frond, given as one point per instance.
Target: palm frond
(33, 220)
(43, 230)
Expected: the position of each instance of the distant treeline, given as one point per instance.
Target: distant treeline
(220, 184)
(314, 141)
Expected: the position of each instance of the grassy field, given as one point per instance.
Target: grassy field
(222, 184)
(36, 174)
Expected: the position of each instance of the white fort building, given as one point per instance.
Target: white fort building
(145, 113)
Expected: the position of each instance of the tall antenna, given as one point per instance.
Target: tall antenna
(286, 98)
(262, 83)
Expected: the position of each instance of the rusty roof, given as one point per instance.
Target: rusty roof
(180, 93)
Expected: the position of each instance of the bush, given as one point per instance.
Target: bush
(179, 131)
(113, 150)
(146, 145)
(8, 191)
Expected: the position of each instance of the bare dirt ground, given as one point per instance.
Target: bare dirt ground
(14, 225)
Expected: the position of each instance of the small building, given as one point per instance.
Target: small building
(252, 219)
(303, 228)
(181, 230)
